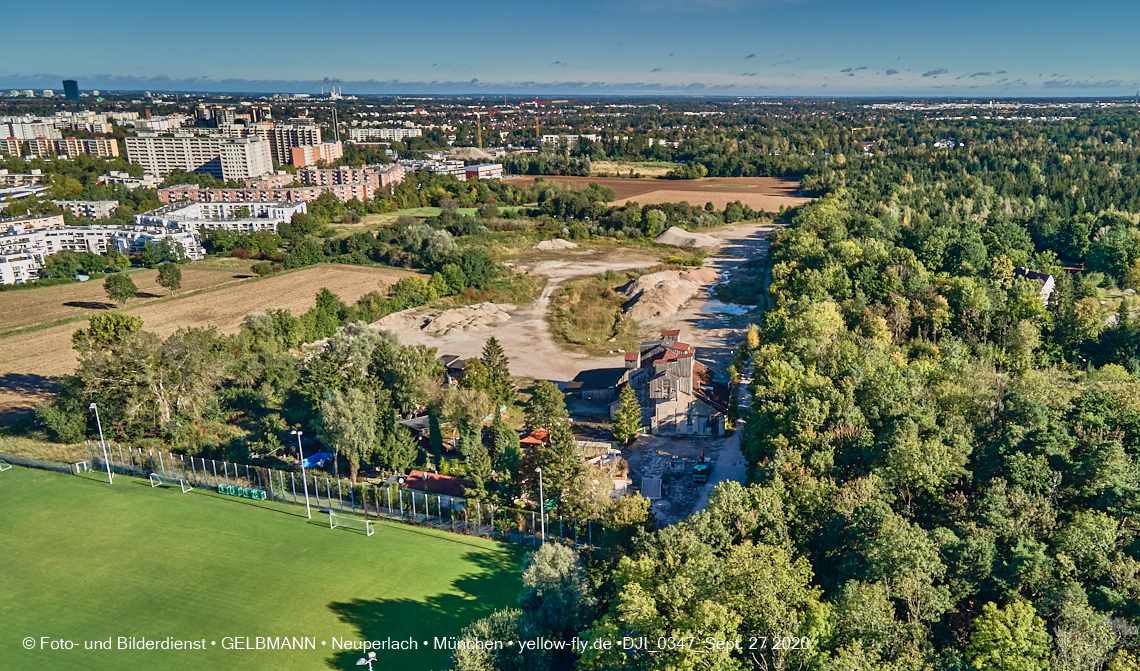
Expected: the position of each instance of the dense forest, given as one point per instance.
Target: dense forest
(944, 458)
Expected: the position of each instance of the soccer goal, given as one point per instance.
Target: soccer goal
(4, 465)
(336, 520)
(157, 480)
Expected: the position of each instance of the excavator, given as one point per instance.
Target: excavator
(701, 469)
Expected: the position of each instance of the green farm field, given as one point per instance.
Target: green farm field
(86, 561)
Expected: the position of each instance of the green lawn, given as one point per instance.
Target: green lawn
(84, 561)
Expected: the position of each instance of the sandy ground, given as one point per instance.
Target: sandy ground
(526, 337)
(29, 307)
(31, 362)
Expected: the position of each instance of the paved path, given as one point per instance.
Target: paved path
(730, 463)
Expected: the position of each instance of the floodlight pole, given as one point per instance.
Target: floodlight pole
(541, 504)
(367, 660)
(106, 461)
(308, 511)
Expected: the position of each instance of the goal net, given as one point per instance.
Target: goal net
(4, 465)
(336, 520)
(157, 480)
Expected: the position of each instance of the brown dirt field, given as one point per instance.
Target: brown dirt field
(615, 167)
(696, 191)
(30, 362)
(719, 198)
(29, 307)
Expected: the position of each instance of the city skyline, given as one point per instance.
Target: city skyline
(726, 47)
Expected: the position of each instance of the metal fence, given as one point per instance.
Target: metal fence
(381, 502)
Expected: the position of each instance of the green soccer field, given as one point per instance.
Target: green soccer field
(84, 561)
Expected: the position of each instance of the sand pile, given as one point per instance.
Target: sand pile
(660, 295)
(470, 318)
(679, 237)
(556, 243)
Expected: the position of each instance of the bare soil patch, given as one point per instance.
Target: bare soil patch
(30, 307)
(31, 362)
(718, 197)
(695, 191)
(622, 168)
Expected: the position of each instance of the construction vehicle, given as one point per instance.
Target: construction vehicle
(701, 469)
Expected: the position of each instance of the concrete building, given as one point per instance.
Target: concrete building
(40, 146)
(225, 158)
(10, 146)
(20, 268)
(30, 130)
(21, 178)
(438, 167)
(283, 137)
(91, 209)
(567, 140)
(396, 134)
(197, 217)
(99, 146)
(344, 192)
(246, 158)
(132, 183)
(372, 177)
(305, 155)
(485, 171)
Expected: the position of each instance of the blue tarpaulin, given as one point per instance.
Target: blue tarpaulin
(317, 459)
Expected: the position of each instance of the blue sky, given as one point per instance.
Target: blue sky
(735, 47)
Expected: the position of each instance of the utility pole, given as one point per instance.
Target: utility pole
(106, 461)
(541, 504)
(304, 482)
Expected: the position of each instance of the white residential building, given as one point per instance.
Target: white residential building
(567, 140)
(225, 158)
(26, 246)
(397, 134)
(132, 183)
(20, 268)
(196, 217)
(91, 209)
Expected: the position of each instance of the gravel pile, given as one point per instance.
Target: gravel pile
(556, 243)
(679, 237)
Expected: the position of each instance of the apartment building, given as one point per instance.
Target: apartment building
(20, 268)
(30, 130)
(23, 249)
(99, 146)
(328, 152)
(392, 134)
(9, 146)
(36, 176)
(132, 183)
(304, 194)
(91, 209)
(283, 137)
(40, 146)
(438, 167)
(224, 158)
(377, 176)
(237, 217)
